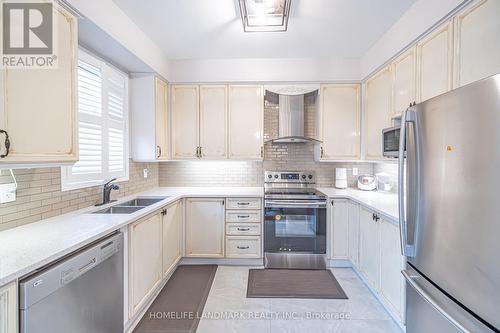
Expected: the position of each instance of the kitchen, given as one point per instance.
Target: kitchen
(245, 165)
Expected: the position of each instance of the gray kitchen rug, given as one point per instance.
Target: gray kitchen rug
(180, 303)
(293, 283)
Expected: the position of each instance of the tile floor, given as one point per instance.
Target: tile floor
(228, 298)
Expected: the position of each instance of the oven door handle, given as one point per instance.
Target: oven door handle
(295, 204)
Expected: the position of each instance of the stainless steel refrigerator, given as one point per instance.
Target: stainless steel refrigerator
(450, 210)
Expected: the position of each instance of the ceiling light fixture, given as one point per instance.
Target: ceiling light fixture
(265, 15)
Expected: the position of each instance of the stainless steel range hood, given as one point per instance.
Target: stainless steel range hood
(294, 110)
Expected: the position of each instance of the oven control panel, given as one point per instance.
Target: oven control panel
(290, 177)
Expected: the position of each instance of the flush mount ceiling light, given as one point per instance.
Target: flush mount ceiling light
(265, 15)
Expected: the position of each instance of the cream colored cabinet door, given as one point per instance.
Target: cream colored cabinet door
(38, 107)
(8, 308)
(213, 122)
(404, 82)
(172, 236)
(340, 229)
(161, 110)
(354, 233)
(477, 50)
(435, 63)
(145, 260)
(340, 122)
(369, 248)
(246, 109)
(391, 264)
(377, 114)
(185, 105)
(205, 228)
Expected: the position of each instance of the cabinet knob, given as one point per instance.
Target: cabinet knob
(243, 229)
(158, 151)
(243, 247)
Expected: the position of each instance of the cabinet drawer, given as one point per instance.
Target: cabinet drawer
(243, 216)
(243, 203)
(242, 247)
(242, 229)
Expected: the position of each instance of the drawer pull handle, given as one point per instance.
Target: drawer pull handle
(243, 216)
(243, 229)
(243, 203)
(243, 247)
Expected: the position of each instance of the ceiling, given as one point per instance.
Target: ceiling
(210, 29)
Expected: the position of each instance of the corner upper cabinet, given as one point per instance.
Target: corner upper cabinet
(213, 122)
(404, 81)
(340, 122)
(477, 50)
(38, 107)
(377, 113)
(246, 112)
(185, 111)
(435, 63)
(149, 118)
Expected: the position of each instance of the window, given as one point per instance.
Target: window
(102, 125)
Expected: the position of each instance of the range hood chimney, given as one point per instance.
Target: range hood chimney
(295, 108)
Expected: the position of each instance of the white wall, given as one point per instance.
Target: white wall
(112, 20)
(419, 18)
(275, 70)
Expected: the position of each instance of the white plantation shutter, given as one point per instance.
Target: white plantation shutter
(103, 130)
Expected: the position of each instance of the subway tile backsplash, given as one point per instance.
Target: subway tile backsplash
(39, 194)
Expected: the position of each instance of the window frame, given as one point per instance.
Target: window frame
(67, 183)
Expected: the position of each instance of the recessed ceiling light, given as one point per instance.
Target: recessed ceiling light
(265, 15)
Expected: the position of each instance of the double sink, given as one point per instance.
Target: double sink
(131, 206)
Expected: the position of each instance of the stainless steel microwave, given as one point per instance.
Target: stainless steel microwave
(390, 142)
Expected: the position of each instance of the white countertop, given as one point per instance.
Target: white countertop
(30, 247)
(384, 203)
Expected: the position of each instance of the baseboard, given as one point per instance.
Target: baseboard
(222, 261)
(339, 263)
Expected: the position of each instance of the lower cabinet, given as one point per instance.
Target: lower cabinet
(145, 259)
(392, 284)
(353, 230)
(8, 308)
(369, 247)
(205, 227)
(340, 229)
(172, 236)
(243, 228)
(243, 247)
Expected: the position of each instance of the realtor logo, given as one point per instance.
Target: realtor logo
(27, 34)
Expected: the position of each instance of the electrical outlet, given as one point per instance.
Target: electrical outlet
(7, 192)
(145, 173)
(354, 171)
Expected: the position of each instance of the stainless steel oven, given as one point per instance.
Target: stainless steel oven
(294, 221)
(390, 142)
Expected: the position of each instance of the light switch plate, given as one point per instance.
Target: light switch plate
(145, 173)
(7, 192)
(354, 171)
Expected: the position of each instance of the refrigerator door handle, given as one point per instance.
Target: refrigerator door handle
(406, 249)
(412, 278)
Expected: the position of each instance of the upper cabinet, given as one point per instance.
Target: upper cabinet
(246, 111)
(377, 113)
(38, 106)
(185, 134)
(149, 118)
(477, 51)
(213, 122)
(435, 63)
(403, 92)
(340, 122)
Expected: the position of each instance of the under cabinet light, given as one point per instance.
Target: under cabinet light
(265, 15)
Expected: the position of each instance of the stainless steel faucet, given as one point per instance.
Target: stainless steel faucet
(106, 192)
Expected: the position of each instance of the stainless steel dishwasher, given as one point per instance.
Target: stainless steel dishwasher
(79, 294)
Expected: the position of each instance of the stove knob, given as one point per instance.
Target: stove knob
(310, 176)
(276, 176)
(303, 176)
(269, 176)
